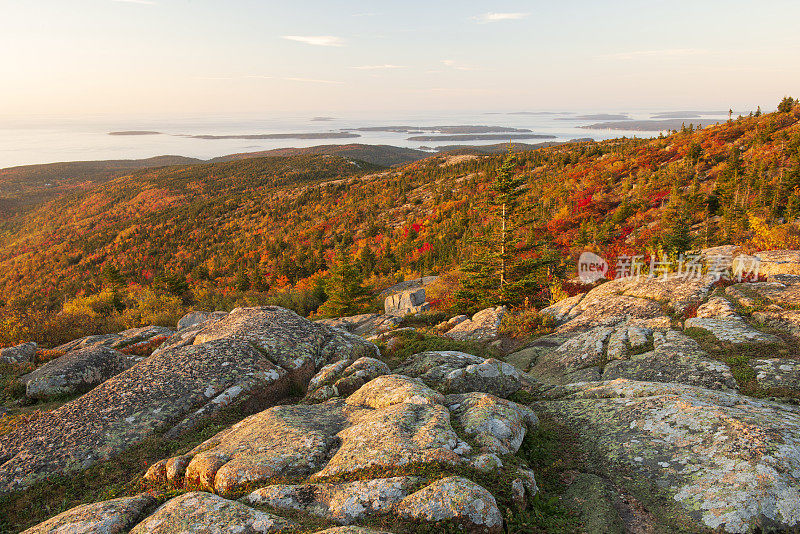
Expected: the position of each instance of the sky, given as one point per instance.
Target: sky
(147, 57)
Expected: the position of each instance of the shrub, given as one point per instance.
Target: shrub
(522, 323)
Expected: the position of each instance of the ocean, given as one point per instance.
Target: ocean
(35, 140)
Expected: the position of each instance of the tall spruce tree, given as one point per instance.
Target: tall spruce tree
(505, 266)
(347, 294)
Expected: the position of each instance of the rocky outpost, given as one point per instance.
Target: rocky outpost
(682, 394)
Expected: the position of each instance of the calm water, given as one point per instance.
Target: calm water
(44, 140)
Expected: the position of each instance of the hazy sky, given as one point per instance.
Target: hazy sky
(77, 57)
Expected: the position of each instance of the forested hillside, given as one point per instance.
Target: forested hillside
(143, 247)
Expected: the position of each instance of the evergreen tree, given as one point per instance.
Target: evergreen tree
(786, 104)
(347, 294)
(505, 267)
(677, 237)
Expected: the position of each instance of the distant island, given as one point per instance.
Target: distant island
(322, 119)
(643, 125)
(314, 135)
(439, 129)
(539, 113)
(597, 117)
(135, 132)
(686, 114)
(479, 137)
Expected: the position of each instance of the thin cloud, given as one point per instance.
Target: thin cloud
(316, 40)
(650, 54)
(312, 80)
(456, 65)
(142, 2)
(379, 67)
(265, 77)
(497, 17)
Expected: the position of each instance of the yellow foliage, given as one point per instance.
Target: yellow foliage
(765, 237)
(104, 303)
(147, 307)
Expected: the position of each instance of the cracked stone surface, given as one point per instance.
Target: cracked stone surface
(716, 307)
(732, 330)
(725, 458)
(342, 503)
(344, 377)
(366, 324)
(395, 436)
(107, 517)
(394, 389)
(121, 340)
(483, 326)
(497, 425)
(22, 353)
(781, 373)
(457, 499)
(776, 317)
(405, 302)
(298, 354)
(639, 301)
(459, 372)
(390, 422)
(779, 262)
(675, 358)
(75, 372)
(583, 351)
(560, 311)
(174, 389)
(210, 514)
(782, 293)
(283, 441)
(188, 328)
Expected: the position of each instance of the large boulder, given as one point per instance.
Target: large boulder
(778, 262)
(483, 326)
(390, 422)
(779, 373)
(283, 441)
(455, 499)
(405, 302)
(408, 284)
(249, 358)
(23, 353)
(209, 513)
(642, 301)
(728, 461)
(675, 358)
(366, 324)
(116, 516)
(458, 372)
(124, 340)
(343, 503)
(76, 372)
(629, 351)
(342, 378)
(414, 429)
(192, 319)
(498, 426)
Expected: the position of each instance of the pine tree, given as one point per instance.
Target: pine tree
(786, 104)
(347, 294)
(677, 237)
(505, 267)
